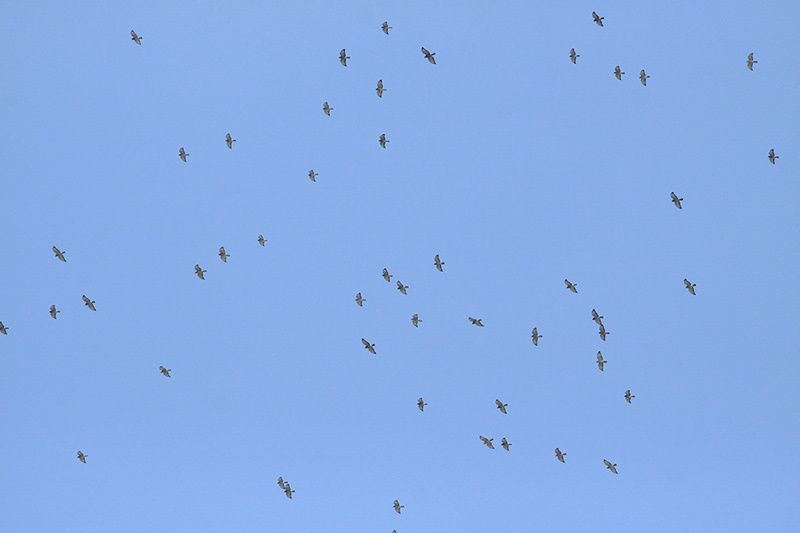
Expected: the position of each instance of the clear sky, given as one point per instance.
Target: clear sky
(519, 168)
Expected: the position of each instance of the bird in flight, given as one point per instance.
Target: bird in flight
(261, 240)
(690, 286)
(597, 19)
(611, 466)
(397, 506)
(571, 286)
(421, 404)
(382, 140)
(597, 318)
(750, 61)
(199, 272)
(223, 255)
(360, 300)
(487, 442)
(288, 490)
(379, 89)
(343, 57)
(771, 156)
(369, 347)
(88, 303)
(386, 275)
(628, 396)
(402, 288)
(313, 175)
(535, 336)
(4, 329)
(165, 371)
(505, 444)
(600, 361)
(675, 200)
(53, 311)
(182, 154)
(438, 263)
(429, 56)
(560, 455)
(502, 406)
(326, 108)
(476, 321)
(416, 320)
(618, 72)
(385, 27)
(603, 332)
(281, 482)
(229, 141)
(135, 37)
(643, 77)
(82, 457)
(59, 254)
(573, 56)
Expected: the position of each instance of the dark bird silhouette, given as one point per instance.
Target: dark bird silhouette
(379, 89)
(223, 255)
(750, 61)
(600, 361)
(135, 37)
(421, 404)
(182, 154)
(343, 57)
(476, 321)
(386, 275)
(438, 263)
(573, 56)
(675, 200)
(571, 286)
(313, 175)
(597, 19)
(397, 506)
(416, 320)
(643, 77)
(487, 442)
(53, 311)
(88, 303)
(560, 455)
(618, 72)
(165, 371)
(598, 319)
(382, 140)
(690, 286)
(771, 156)
(82, 457)
(59, 254)
(360, 300)
(199, 272)
(229, 141)
(505, 444)
(628, 396)
(326, 108)
(429, 56)
(4, 329)
(535, 336)
(402, 288)
(369, 347)
(603, 332)
(611, 466)
(261, 240)
(501, 406)
(385, 27)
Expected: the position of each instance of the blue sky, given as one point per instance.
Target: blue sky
(519, 168)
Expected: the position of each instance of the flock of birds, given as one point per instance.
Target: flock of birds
(437, 262)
